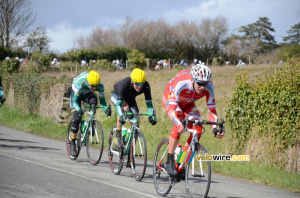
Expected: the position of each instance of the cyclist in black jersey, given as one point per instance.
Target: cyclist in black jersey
(123, 97)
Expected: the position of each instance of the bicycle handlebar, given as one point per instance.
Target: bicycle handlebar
(96, 107)
(137, 114)
(200, 122)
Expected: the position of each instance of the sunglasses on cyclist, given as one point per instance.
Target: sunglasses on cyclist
(138, 84)
(201, 83)
(93, 85)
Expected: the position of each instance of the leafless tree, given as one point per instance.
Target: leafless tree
(15, 18)
(101, 37)
(212, 32)
(158, 39)
(82, 42)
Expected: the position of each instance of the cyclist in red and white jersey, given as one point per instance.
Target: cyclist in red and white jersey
(179, 101)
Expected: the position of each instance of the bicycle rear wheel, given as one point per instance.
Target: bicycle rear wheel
(138, 155)
(115, 155)
(68, 142)
(94, 143)
(162, 181)
(198, 175)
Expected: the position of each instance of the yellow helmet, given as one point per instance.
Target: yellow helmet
(93, 78)
(138, 76)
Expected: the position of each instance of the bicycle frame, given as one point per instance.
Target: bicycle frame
(194, 143)
(90, 122)
(134, 121)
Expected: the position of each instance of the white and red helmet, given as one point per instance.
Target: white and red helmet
(201, 73)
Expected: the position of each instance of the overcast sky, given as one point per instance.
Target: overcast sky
(65, 20)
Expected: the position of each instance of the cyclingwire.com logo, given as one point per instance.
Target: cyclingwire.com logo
(222, 157)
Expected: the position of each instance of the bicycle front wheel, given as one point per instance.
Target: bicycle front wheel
(138, 155)
(198, 175)
(115, 154)
(162, 181)
(94, 142)
(68, 142)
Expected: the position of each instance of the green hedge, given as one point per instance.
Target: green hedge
(268, 108)
(28, 88)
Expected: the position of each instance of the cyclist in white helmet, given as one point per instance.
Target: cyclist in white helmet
(179, 101)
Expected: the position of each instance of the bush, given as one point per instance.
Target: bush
(41, 59)
(269, 110)
(104, 65)
(113, 53)
(68, 66)
(136, 59)
(5, 53)
(9, 66)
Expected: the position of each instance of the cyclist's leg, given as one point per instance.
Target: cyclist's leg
(74, 126)
(193, 112)
(174, 135)
(125, 107)
(173, 141)
(133, 108)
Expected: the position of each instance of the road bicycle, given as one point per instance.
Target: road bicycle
(190, 167)
(134, 147)
(90, 135)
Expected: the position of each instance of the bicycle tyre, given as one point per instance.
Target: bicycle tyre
(115, 155)
(68, 141)
(162, 181)
(138, 155)
(94, 143)
(199, 184)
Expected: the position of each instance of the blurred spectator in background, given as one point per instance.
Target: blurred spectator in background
(240, 63)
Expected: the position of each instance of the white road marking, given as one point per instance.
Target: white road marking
(81, 176)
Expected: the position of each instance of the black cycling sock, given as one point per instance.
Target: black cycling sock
(73, 141)
(170, 157)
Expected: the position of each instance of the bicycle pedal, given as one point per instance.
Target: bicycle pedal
(198, 175)
(197, 146)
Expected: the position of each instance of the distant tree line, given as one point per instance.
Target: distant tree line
(205, 39)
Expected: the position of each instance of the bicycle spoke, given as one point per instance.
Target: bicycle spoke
(94, 143)
(138, 156)
(114, 154)
(162, 181)
(198, 176)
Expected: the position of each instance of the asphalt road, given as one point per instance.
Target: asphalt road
(35, 166)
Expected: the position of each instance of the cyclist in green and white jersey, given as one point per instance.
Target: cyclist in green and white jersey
(83, 88)
(2, 99)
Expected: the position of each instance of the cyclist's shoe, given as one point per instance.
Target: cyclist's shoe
(128, 164)
(119, 143)
(73, 152)
(183, 174)
(170, 168)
